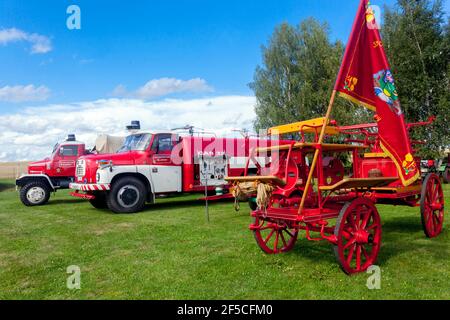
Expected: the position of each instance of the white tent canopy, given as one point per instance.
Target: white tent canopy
(108, 144)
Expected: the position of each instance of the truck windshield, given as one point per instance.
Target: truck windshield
(136, 142)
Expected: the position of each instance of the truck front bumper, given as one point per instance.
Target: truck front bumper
(90, 187)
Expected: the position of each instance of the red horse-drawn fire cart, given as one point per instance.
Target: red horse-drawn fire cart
(301, 194)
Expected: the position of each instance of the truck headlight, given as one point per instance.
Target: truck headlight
(97, 176)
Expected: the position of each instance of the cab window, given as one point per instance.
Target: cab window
(68, 151)
(163, 143)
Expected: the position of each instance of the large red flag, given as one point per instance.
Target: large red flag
(366, 79)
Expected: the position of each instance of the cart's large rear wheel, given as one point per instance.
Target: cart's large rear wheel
(358, 232)
(432, 206)
(273, 237)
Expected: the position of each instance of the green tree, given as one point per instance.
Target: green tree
(417, 44)
(299, 69)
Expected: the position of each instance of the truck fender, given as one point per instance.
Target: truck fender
(151, 197)
(24, 179)
(143, 178)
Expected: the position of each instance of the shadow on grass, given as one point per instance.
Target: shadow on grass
(176, 204)
(405, 234)
(403, 225)
(6, 186)
(323, 251)
(149, 208)
(314, 251)
(53, 202)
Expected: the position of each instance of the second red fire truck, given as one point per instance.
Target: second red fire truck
(51, 174)
(154, 164)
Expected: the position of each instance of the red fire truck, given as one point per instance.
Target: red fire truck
(50, 174)
(154, 164)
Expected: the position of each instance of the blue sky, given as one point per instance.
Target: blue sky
(120, 43)
(202, 49)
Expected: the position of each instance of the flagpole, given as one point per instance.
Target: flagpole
(316, 154)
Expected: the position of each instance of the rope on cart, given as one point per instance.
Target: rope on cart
(244, 190)
(237, 205)
(264, 194)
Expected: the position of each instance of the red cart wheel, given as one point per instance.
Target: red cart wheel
(432, 206)
(358, 232)
(273, 237)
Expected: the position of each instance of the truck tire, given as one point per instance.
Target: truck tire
(446, 175)
(99, 202)
(127, 195)
(35, 193)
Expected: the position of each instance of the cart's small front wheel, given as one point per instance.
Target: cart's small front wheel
(432, 206)
(358, 233)
(274, 237)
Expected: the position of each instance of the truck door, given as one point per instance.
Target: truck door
(166, 175)
(65, 160)
(162, 147)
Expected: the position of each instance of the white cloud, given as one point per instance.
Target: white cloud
(119, 91)
(31, 134)
(39, 43)
(24, 93)
(163, 87)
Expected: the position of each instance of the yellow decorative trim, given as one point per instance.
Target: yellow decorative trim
(308, 126)
(357, 101)
(376, 155)
(411, 188)
(399, 168)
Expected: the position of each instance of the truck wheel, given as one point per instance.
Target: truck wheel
(127, 195)
(99, 202)
(447, 175)
(35, 193)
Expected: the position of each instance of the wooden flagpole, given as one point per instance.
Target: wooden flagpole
(316, 154)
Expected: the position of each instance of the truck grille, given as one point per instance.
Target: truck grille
(81, 169)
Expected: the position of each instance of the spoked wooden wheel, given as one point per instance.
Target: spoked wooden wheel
(358, 232)
(274, 237)
(432, 206)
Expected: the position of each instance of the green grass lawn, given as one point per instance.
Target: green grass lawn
(169, 251)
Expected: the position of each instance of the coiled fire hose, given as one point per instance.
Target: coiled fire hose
(244, 190)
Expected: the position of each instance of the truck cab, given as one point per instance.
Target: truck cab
(50, 174)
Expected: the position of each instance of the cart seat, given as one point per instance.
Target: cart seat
(359, 183)
(263, 179)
